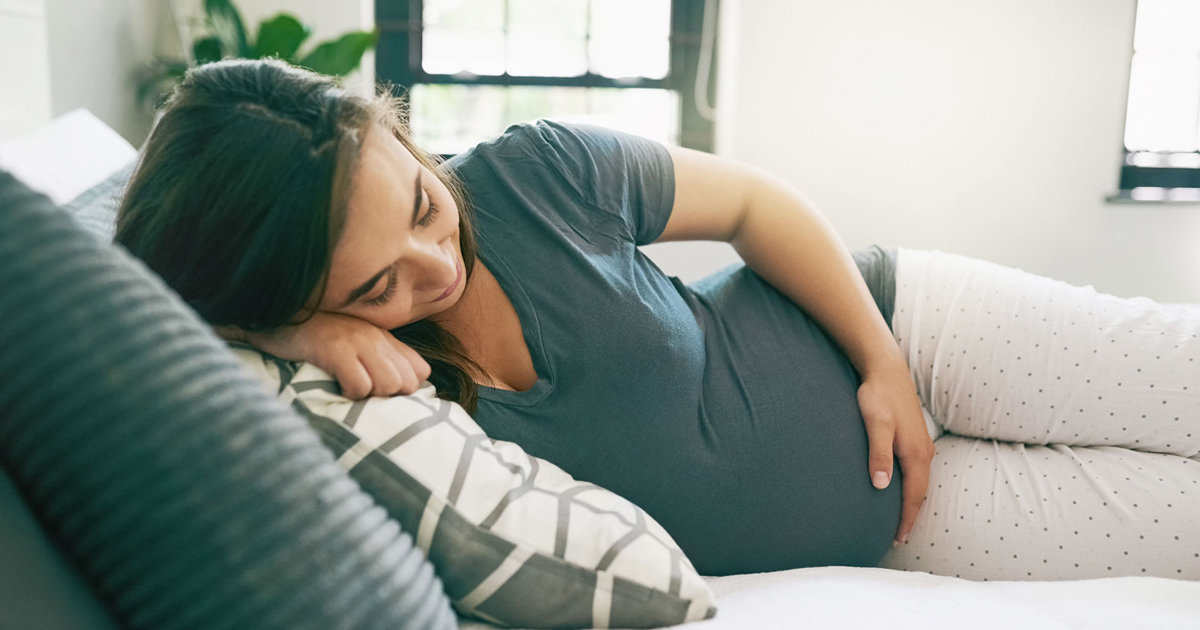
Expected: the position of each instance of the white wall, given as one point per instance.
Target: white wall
(25, 73)
(692, 261)
(989, 128)
(95, 47)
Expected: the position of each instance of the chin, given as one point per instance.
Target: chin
(440, 309)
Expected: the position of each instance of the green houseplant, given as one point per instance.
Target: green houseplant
(225, 37)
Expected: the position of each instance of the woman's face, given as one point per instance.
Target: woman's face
(398, 258)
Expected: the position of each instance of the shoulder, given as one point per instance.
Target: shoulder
(607, 169)
(583, 154)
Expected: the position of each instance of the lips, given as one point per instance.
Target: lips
(457, 279)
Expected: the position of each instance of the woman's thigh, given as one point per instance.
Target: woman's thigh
(1000, 353)
(1009, 511)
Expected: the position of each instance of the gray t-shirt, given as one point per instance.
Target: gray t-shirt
(720, 408)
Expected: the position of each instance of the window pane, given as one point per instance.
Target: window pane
(546, 54)
(450, 51)
(1164, 97)
(453, 118)
(1167, 26)
(646, 112)
(487, 15)
(631, 19)
(565, 17)
(624, 57)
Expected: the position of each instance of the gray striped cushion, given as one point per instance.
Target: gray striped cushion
(515, 540)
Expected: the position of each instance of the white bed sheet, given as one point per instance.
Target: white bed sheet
(66, 157)
(851, 598)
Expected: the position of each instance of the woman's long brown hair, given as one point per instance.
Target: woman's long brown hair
(240, 196)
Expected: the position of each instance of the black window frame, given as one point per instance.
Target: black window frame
(398, 63)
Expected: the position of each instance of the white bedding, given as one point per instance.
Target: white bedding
(850, 598)
(66, 157)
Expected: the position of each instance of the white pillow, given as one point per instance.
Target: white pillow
(73, 153)
(515, 539)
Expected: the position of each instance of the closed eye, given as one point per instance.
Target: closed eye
(388, 292)
(429, 216)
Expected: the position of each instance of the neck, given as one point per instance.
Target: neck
(485, 322)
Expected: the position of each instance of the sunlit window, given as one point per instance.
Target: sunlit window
(549, 38)
(471, 68)
(452, 118)
(1162, 119)
(1164, 82)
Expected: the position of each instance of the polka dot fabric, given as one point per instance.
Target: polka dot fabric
(1067, 425)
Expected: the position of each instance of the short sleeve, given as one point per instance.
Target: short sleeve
(614, 171)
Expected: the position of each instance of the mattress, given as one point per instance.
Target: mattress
(851, 598)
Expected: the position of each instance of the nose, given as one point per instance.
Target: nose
(435, 265)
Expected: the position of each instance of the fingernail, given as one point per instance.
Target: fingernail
(895, 543)
(880, 479)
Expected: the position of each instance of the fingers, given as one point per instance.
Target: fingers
(386, 369)
(879, 463)
(420, 366)
(387, 376)
(916, 483)
(896, 426)
(354, 379)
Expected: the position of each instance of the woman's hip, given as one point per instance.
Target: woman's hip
(997, 352)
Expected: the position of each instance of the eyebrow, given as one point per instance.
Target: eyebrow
(366, 287)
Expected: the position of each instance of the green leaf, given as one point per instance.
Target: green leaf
(281, 36)
(207, 50)
(341, 56)
(227, 24)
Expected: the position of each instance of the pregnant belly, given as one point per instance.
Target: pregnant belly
(777, 477)
(787, 487)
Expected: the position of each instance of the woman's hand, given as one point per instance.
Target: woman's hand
(365, 360)
(892, 413)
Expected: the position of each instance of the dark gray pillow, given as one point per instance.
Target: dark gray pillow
(186, 495)
(38, 586)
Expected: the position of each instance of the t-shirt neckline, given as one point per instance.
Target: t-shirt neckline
(530, 329)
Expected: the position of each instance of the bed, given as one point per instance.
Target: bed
(824, 597)
(845, 598)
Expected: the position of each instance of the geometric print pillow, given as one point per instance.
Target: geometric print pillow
(515, 540)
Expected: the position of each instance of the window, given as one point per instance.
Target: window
(1162, 119)
(471, 68)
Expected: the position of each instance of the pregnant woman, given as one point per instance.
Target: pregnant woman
(755, 414)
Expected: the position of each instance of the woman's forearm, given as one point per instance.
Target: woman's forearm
(787, 241)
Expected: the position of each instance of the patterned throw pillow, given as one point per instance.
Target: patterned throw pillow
(516, 540)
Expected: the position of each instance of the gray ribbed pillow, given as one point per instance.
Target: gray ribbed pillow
(187, 496)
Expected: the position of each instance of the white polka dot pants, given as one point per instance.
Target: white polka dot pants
(1067, 425)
